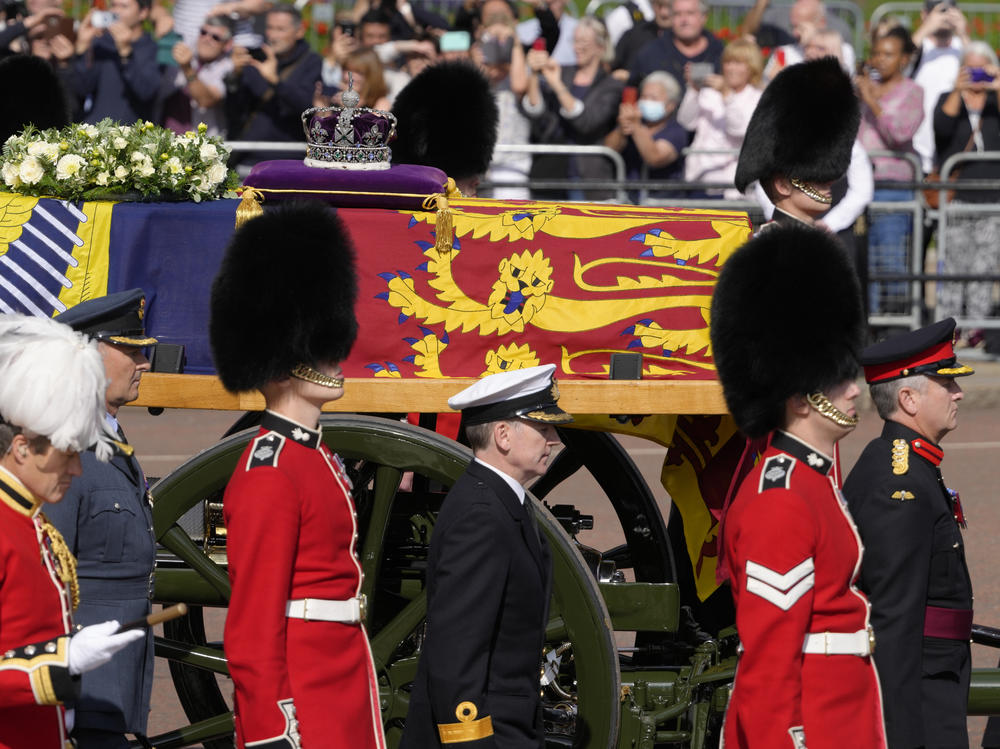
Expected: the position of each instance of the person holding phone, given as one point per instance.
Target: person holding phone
(112, 71)
(647, 133)
(199, 84)
(968, 119)
(717, 108)
(265, 98)
(892, 107)
(577, 105)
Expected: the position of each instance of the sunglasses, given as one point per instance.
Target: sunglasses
(217, 37)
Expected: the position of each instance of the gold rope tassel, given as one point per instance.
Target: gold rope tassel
(443, 226)
(65, 561)
(249, 207)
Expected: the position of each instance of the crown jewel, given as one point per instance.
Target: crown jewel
(348, 137)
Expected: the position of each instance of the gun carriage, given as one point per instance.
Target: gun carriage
(448, 292)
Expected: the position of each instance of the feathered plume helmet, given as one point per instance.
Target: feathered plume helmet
(803, 127)
(447, 118)
(52, 384)
(787, 319)
(284, 296)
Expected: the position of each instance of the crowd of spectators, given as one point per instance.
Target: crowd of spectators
(653, 83)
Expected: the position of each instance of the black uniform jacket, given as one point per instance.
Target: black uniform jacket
(488, 580)
(914, 557)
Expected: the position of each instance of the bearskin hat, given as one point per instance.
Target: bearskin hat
(803, 127)
(34, 94)
(447, 118)
(787, 319)
(284, 296)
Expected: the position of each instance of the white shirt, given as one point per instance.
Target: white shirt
(936, 75)
(511, 481)
(619, 20)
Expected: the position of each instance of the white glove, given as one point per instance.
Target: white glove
(93, 646)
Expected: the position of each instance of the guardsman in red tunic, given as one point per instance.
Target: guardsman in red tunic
(51, 407)
(787, 326)
(282, 320)
(914, 568)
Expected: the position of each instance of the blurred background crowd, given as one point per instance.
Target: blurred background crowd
(646, 78)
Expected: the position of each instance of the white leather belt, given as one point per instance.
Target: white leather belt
(860, 643)
(351, 611)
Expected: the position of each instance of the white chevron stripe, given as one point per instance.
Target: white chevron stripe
(776, 579)
(33, 282)
(63, 229)
(44, 265)
(52, 245)
(17, 293)
(77, 213)
(783, 601)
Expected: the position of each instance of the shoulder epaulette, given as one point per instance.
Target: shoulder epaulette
(776, 473)
(266, 450)
(900, 457)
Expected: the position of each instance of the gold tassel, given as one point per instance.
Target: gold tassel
(249, 206)
(65, 561)
(443, 222)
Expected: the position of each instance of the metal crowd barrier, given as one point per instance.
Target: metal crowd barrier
(953, 211)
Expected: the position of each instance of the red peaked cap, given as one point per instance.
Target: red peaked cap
(926, 351)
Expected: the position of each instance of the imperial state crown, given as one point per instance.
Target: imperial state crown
(348, 137)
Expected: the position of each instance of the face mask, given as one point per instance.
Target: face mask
(652, 110)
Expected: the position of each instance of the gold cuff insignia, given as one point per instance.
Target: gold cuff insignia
(467, 730)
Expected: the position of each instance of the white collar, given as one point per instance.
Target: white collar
(511, 481)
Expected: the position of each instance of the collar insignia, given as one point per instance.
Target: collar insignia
(814, 460)
(928, 451)
(301, 435)
(900, 457)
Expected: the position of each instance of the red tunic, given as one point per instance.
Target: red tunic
(35, 617)
(291, 534)
(794, 555)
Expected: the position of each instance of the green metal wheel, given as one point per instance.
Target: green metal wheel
(396, 516)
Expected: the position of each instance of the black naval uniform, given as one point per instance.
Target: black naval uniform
(915, 574)
(488, 581)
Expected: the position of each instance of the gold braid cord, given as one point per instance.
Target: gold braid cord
(65, 561)
(822, 404)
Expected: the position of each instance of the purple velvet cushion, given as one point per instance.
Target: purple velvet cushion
(287, 174)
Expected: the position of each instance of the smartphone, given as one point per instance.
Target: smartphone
(455, 41)
(347, 28)
(57, 26)
(102, 19)
(979, 75)
(700, 71)
(630, 95)
(538, 44)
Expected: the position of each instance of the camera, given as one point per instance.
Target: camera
(979, 75)
(348, 28)
(102, 19)
(700, 71)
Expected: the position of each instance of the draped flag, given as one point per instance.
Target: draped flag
(522, 284)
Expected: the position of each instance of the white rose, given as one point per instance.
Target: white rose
(216, 174)
(119, 143)
(10, 174)
(208, 152)
(103, 178)
(121, 172)
(43, 148)
(69, 166)
(144, 170)
(173, 165)
(89, 130)
(30, 171)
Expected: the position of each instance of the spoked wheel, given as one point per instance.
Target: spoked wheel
(395, 529)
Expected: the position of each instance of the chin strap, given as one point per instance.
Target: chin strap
(307, 373)
(811, 192)
(822, 404)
